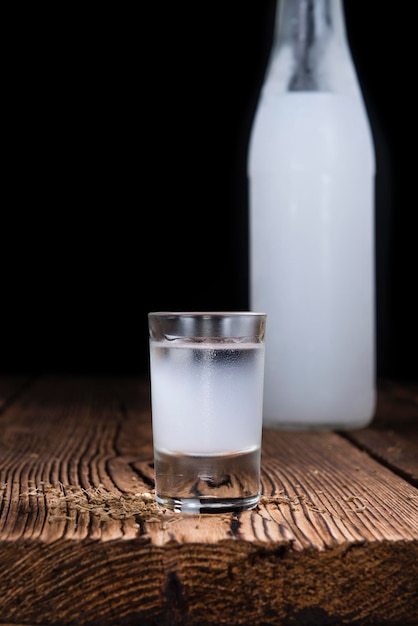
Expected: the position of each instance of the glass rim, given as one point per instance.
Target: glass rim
(204, 326)
(206, 314)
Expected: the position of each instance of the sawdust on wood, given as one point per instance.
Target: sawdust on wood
(66, 500)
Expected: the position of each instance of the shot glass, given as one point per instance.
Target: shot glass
(207, 376)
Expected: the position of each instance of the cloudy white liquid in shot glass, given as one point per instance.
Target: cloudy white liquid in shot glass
(207, 422)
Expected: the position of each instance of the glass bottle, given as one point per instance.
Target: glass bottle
(311, 168)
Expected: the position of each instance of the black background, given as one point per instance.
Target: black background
(124, 175)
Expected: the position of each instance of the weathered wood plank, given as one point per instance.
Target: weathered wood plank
(334, 540)
(9, 386)
(64, 434)
(393, 436)
(75, 446)
(231, 583)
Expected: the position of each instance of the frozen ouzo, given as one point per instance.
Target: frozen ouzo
(207, 372)
(205, 396)
(312, 192)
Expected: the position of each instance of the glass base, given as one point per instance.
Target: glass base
(210, 505)
(207, 483)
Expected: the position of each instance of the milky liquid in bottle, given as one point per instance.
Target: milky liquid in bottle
(311, 181)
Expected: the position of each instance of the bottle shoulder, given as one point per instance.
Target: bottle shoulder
(296, 126)
(334, 72)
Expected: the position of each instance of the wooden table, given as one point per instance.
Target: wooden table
(333, 541)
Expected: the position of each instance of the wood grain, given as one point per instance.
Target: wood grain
(393, 435)
(333, 541)
(9, 386)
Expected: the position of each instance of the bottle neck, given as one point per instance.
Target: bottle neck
(311, 47)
